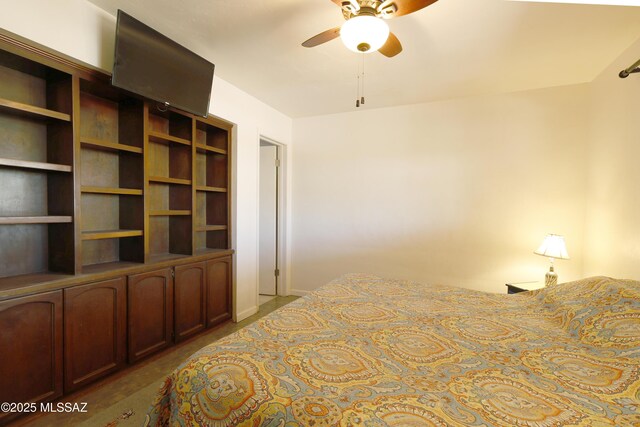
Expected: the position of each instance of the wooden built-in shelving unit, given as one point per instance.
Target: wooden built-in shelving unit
(114, 225)
(93, 175)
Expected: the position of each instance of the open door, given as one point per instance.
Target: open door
(268, 245)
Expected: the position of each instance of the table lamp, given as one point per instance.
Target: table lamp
(552, 247)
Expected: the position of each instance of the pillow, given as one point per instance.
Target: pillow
(599, 311)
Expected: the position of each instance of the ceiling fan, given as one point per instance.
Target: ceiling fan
(365, 30)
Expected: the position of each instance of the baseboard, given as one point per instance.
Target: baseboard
(246, 313)
(299, 292)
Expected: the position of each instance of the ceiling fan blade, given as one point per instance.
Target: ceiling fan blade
(323, 37)
(350, 8)
(394, 8)
(347, 3)
(392, 47)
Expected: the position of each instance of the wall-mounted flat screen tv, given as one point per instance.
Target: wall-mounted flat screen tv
(156, 67)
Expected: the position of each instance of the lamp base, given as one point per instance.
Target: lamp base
(551, 278)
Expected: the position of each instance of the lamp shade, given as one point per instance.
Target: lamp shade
(364, 33)
(553, 246)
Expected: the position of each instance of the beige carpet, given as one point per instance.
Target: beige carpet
(123, 399)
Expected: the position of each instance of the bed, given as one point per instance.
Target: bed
(368, 351)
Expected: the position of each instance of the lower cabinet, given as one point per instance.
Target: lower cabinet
(189, 300)
(30, 349)
(95, 334)
(57, 342)
(150, 313)
(218, 291)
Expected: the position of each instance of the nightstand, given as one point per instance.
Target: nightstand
(514, 288)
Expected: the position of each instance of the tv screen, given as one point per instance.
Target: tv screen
(154, 66)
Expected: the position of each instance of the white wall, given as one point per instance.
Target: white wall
(85, 32)
(458, 192)
(254, 119)
(613, 198)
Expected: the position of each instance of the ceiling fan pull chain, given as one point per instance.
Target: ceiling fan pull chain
(358, 85)
(362, 97)
(358, 91)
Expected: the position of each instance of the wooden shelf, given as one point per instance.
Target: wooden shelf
(110, 234)
(35, 219)
(110, 190)
(173, 212)
(207, 148)
(34, 165)
(31, 111)
(98, 143)
(166, 180)
(100, 193)
(156, 136)
(208, 251)
(107, 267)
(27, 280)
(211, 189)
(211, 228)
(158, 258)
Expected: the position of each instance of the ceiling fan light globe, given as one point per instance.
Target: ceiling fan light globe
(361, 31)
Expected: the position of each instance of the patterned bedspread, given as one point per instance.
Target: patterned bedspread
(367, 351)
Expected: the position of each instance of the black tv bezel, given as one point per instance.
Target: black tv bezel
(115, 83)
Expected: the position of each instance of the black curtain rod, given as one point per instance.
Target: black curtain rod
(635, 68)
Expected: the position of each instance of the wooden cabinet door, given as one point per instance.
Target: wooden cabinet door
(218, 290)
(30, 349)
(150, 313)
(189, 300)
(95, 334)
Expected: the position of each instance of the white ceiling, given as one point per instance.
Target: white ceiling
(452, 49)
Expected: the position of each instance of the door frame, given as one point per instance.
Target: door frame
(282, 235)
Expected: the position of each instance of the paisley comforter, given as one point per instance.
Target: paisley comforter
(367, 351)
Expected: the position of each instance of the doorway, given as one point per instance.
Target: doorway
(269, 221)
